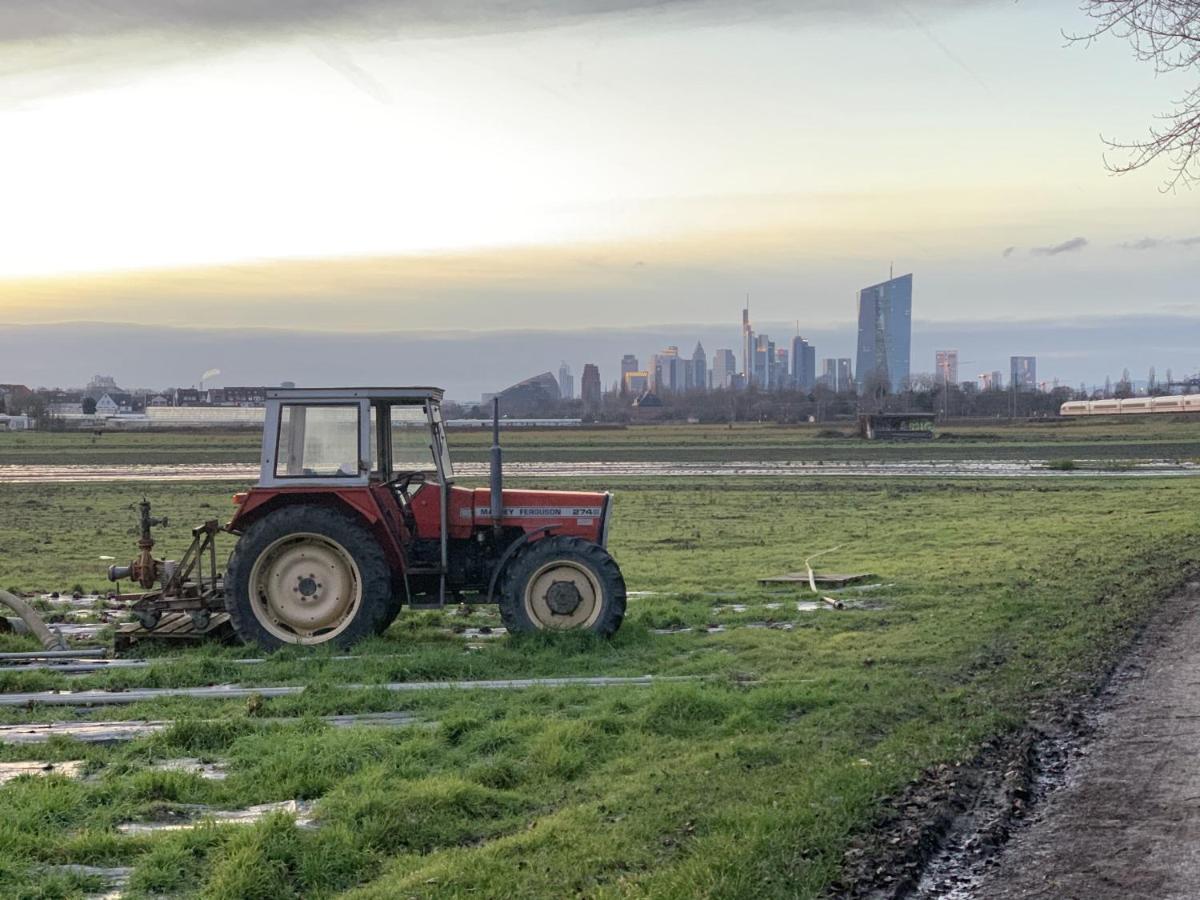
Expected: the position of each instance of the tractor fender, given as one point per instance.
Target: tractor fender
(523, 541)
(260, 502)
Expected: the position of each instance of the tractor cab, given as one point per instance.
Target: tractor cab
(356, 513)
(353, 437)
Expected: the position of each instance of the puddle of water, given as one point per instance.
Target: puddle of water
(302, 810)
(483, 634)
(32, 474)
(684, 629)
(115, 878)
(11, 770)
(193, 766)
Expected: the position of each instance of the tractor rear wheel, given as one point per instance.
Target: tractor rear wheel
(308, 575)
(562, 584)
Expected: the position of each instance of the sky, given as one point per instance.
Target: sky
(417, 166)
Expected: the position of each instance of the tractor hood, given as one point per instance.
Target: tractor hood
(578, 513)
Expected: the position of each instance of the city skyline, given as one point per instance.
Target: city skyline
(1072, 351)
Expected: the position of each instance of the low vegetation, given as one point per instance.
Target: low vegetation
(748, 782)
(1114, 438)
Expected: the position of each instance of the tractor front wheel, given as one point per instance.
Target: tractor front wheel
(562, 584)
(308, 575)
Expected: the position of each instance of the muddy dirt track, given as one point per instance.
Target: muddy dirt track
(1127, 822)
(35, 474)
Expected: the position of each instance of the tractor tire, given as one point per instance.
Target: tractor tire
(308, 575)
(562, 584)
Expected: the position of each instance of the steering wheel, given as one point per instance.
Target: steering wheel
(402, 482)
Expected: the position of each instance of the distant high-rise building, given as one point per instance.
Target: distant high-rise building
(946, 367)
(828, 376)
(566, 382)
(804, 364)
(589, 386)
(697, 371)
(885, 334)
(629, 363)
(636, 383)
(845, 375)
(781, 375)
(724, 370)
(666, 373)
(836, 374)
(1023, 373)
(747, 346)
(764, 362)
(991, 381)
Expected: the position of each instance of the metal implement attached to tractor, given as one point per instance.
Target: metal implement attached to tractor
(355, 515)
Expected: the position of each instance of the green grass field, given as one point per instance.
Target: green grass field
(1163, 437)
(747, 783)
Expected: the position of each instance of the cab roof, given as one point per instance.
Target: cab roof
(401, 394)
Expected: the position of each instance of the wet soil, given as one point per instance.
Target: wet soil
(990, 468)
(1099, 798)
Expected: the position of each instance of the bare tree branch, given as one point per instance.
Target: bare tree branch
(1166, 34)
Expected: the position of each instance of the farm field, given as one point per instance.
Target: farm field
(749, 781)
(1107, 438)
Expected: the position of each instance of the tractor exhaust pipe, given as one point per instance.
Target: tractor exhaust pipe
(496, 474)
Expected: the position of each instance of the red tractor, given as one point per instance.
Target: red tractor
(356, 514)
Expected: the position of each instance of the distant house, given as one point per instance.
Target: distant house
(190, 397)
(238, 396)
(158, 400)
(11, 395)
(107, 406)
(648, 407)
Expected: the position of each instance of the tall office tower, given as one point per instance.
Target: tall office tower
(589, 386)
(1023, 372)
(698, 371)
(629, 363)
(764, 358)
(804, 364)
(781, 376)
(747, 346)
(724, 370)
(665, 371)
(828, 376)
(885, 334)
(566, 381)
(946, 367)
(845, 377)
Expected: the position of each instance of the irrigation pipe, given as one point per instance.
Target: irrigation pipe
(812, 581)
(236, 691)
(51, 640)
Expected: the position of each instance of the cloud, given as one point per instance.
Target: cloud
(90, 18)
(53, 47)
(1149, 243)
(1146, 243)
(1008, 251)
(1070, 246)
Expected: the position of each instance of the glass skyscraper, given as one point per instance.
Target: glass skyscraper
(885, 335)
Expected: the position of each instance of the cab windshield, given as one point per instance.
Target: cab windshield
(418, 440)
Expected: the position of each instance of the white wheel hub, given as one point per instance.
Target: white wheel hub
(305, 588)
(563, 594)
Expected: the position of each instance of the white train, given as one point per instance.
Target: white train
(1179, 403)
